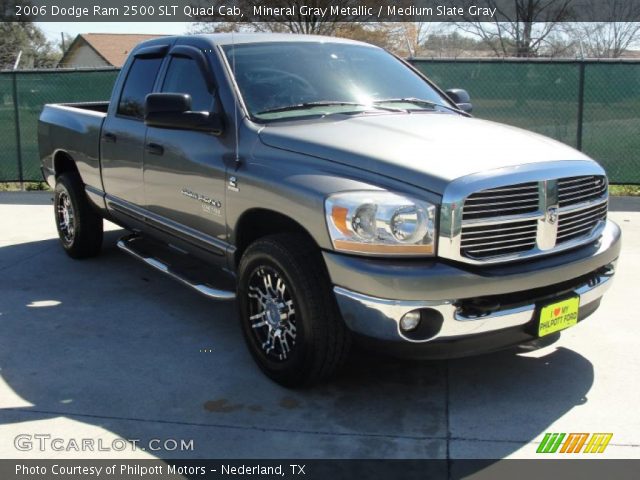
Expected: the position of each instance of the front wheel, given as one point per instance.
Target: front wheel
(80, 228)
(289, 316)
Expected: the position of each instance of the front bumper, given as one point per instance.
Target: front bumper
(497, 306)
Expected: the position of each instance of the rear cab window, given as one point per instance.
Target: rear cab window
(138, 84)
(184, 76)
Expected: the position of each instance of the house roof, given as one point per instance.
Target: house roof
(112, 47)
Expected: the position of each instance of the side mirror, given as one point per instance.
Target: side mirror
(461, 98)
(173, 110)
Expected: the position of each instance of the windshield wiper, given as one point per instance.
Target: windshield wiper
(326, 103)
(418, 101)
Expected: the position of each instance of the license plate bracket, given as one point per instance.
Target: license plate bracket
(558, 316)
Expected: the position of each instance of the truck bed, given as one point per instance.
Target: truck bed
(101, 107)
(73, 128)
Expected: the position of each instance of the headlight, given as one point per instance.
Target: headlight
(381, 223)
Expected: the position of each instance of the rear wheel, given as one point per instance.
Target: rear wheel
(288, 312)
(79, 227)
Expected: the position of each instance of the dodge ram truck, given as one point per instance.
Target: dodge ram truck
(337, 195)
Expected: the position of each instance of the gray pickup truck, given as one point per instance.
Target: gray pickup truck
(337, 195)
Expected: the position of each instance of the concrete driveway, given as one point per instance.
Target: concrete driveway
(109, 349)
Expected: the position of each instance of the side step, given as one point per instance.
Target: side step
(179, 266)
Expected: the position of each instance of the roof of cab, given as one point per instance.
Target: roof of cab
(243, 38)
(239, 38)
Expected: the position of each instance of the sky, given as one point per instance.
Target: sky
(52, 29)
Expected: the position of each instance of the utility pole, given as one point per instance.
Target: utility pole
(15, 65)
(16, 113)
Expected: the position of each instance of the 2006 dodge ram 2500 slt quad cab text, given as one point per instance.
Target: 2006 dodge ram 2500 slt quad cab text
(336, 194)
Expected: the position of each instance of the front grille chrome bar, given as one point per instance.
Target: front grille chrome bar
(524, 212)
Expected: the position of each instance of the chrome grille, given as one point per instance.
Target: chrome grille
(585, 188)
(509, 222)
(488, 240)
(511, 200)
(580, 222)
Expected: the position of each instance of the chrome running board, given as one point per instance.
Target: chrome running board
(134, 246)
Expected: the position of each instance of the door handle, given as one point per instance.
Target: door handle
(154, 149)
(109, 137)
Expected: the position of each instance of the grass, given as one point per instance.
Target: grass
(624, 190)
(28, 186)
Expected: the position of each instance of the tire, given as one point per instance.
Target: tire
(79, 226)
(283, 284)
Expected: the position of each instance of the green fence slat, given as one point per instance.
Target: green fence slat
(35, 88)
(9, 151)
(611, 130)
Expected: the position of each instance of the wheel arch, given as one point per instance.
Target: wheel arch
(63, 162)
(260, 222)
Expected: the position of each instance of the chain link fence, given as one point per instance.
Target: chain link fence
(591, 105)
(22, 96)
(594, 106)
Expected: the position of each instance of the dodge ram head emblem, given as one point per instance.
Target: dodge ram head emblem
(552, 215)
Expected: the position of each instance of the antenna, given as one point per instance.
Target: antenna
(235, 106)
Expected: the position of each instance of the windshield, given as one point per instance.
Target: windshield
(296, 79)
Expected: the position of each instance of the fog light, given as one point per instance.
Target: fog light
(410, 321)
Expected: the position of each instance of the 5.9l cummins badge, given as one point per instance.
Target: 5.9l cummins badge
(209, 205)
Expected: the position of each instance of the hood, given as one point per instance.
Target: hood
(428, 150)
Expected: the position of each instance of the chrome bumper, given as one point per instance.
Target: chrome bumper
(379, 318)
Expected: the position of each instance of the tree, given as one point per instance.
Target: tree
(520, 27)
(65, 41)
(381, 35)
(293, 22)
(410, 37)
(296, 23)
(215, 27)
(607, 39)
(25, 37)
(452, 44)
